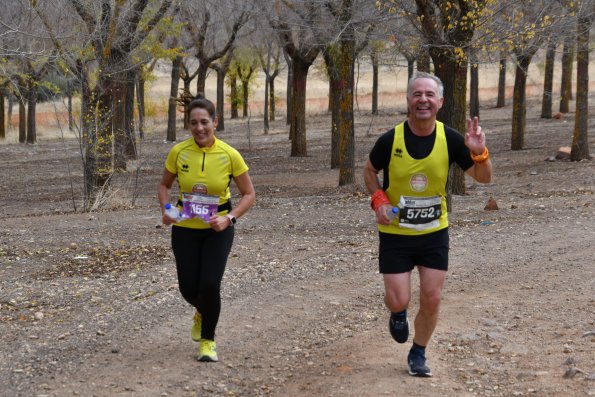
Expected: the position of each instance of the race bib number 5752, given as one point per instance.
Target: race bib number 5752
(420, 213)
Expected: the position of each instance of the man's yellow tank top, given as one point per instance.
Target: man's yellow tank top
(418, 186)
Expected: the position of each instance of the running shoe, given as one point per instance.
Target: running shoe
(207, 351)
(399, 329)
(196, 327)
(417, 364)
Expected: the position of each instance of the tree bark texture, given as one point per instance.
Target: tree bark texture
(221, 70)
(139, 88)
(288, 98)
(454, 110)
(566, 78)
(519, 102)
(374, 58)
(335, 100)
(580, 141)
(2, 119)
(233, 93)
(31, 109)
(501, 101)
(9, 111)
(297, 131)
(172, 108)
(22, 121)
(423, 61)
(272, 98)
(450, 65)
(330, 54)
(346, 126)
(548, 81)
(474, 90)
(410, 67)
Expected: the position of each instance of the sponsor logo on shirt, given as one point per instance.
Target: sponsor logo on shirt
(418, 182)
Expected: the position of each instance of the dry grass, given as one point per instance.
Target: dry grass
(52, 121)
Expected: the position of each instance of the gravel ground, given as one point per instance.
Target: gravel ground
(89, 302)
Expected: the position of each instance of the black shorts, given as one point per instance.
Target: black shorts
(400, 254)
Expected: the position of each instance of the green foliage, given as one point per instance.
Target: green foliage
(152, 46)
(243, 68)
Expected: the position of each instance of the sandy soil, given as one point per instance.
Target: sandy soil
(89, 302)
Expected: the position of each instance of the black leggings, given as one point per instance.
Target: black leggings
(201, 256)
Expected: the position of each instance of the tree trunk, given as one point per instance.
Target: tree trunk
(329, 108)
(173, 99)
(140, 103)
(245, 79)
(474, 90)
(31, 109)
(201, 78)
(454, 110)
(272, 98)
(2, 119)
(244, 99)
(410, 67)
(548, 81)
(88, 135)
(297, 131)
(346, 126)
(22, 121)
(221, 72)
(70, 114)
(267, 85)
(187, 92)
(331, 58)
(233, 93)
(501, 102)
(374, 58)
(9, 111)
(123, 94)
(134, 80)
(104, 122)
(566, 83)
(119, 94)
(580, 141)
(288, 97)
(519, 102)
(335, 99)
(423, 61)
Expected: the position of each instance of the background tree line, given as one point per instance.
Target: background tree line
(103, 51)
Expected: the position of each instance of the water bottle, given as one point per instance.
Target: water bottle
(172, 212)
(393, 213)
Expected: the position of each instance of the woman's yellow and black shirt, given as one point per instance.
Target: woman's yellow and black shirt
(206, 171)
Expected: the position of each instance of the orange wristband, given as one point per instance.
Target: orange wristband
(379, 198)
(481, 158)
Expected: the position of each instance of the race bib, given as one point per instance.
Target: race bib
(420, 213)
(199, 206)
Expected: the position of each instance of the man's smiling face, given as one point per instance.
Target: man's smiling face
(424, 100)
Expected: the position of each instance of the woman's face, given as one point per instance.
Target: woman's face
(202, 127)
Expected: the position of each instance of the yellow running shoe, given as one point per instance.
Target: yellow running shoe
(207, 351)
(196, 327)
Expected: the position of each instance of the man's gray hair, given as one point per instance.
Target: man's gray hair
(424, 75)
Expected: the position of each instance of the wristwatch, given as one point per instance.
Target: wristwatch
(232, 219)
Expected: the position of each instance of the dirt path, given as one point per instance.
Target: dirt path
(89, 303)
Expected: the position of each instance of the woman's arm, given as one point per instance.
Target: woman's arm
(244, 184)
(167, 179)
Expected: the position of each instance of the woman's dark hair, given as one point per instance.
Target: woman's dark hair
(199, 101)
